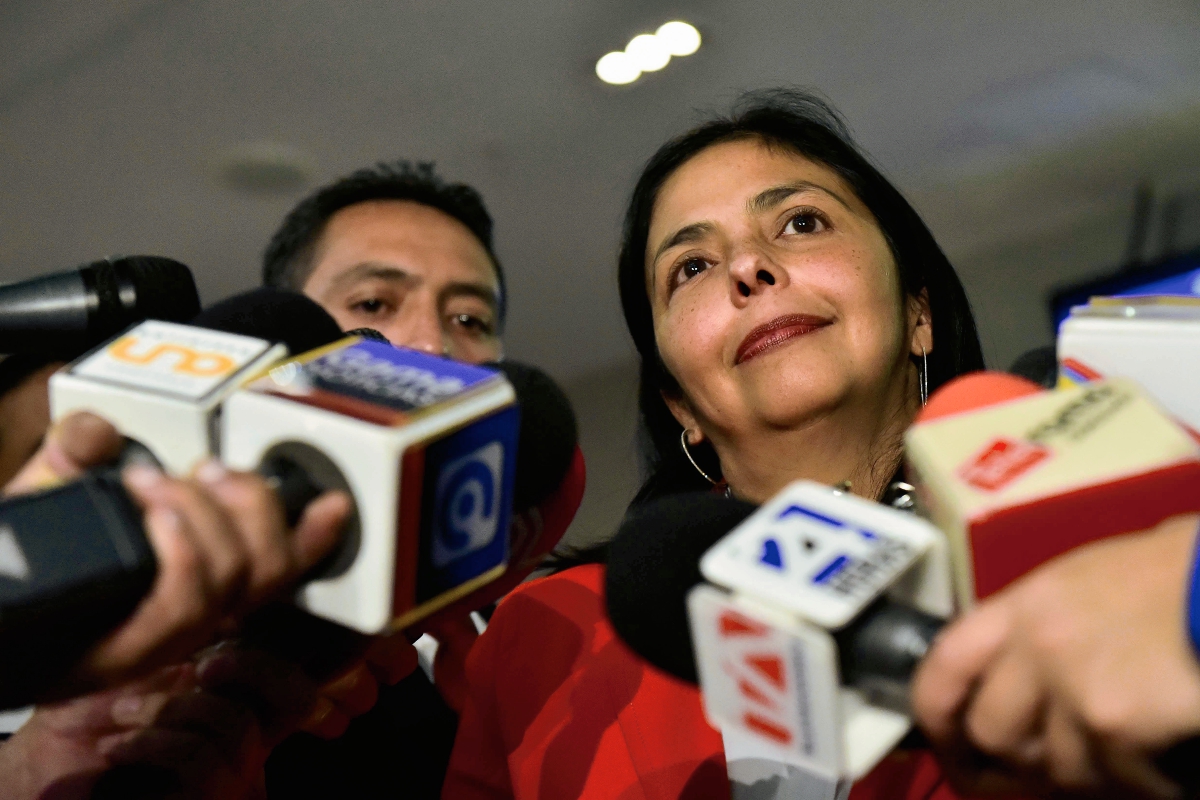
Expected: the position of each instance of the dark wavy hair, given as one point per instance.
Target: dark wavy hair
(287, 262)
(803, 123)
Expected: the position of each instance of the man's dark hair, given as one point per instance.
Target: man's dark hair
(287, 262)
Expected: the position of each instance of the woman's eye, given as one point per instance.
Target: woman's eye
(690, 269)
(805, 222)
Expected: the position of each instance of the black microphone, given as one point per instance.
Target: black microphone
(547, 437)
(64, 314)
(654, 561)
(277, 315)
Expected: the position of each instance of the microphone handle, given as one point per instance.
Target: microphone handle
(74, 562)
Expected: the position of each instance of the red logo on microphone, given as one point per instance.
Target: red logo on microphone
(761, 678)
(1001, 463)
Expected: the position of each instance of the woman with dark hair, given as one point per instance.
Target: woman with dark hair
(791, 311)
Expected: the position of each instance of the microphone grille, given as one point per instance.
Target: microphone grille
(164, 288)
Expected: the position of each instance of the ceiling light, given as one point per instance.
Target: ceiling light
(648, 52)
(618, 68)
(680, 38)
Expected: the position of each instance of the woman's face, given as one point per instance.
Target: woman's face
(775, 297)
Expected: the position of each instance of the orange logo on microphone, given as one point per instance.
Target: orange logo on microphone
(196, 363)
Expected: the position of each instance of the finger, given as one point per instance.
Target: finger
(260, 526)
(76, 443)
(1069, 761)
(224, 561)
(320, 528)
(1003, 718)
(947, 675)
(279, 692)
(326, 720)
(171, 622)
(355, 692)
(391, 659)
(229, 726)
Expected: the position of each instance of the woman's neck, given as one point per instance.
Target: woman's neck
(861, 445)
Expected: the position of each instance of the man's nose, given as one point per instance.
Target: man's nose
(419, 329)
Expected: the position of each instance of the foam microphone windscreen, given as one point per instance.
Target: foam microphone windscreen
(974, 391)
(547, 437)
(66, 313)
(276, 315)
(653, 562)
(1039, 365)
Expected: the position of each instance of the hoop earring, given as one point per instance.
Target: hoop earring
(683, 443)
(924, 376)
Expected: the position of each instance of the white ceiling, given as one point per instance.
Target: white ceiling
(115, 116)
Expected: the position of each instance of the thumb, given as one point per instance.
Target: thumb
(73, 445)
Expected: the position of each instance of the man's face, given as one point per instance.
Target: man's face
(411, 272)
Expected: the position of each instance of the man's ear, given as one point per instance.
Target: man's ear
(681, 410)
(920, 322)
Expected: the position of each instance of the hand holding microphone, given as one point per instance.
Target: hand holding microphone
(1078, 679)
(220, 544)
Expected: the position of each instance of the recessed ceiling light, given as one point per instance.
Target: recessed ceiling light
(617, 68)
(680, 38)
(648, 52)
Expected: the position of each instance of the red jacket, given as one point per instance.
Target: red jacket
(557, 708)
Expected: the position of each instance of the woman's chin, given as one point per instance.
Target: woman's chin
(784, 411)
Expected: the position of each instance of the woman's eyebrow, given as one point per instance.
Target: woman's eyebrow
(686, 234)
(769, 198)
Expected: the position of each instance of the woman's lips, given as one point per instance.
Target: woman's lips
(776, 332)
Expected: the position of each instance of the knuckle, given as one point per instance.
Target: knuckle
(272, 569)
(985, 735)
(1107, 714)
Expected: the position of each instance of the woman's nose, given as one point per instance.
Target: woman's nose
(751, 272)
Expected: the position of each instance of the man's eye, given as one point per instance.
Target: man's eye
(372, 306)
(472, 323)
(805, 222)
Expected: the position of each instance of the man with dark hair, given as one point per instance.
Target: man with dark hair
(395, 248)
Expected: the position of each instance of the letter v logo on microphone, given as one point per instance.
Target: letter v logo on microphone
(13, 563)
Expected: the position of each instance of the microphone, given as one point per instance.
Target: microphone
(1015, 476)
(63, 314)
(161, 384)
(805, 621)
(427, 447)
(47, 586)
(1153, 340)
